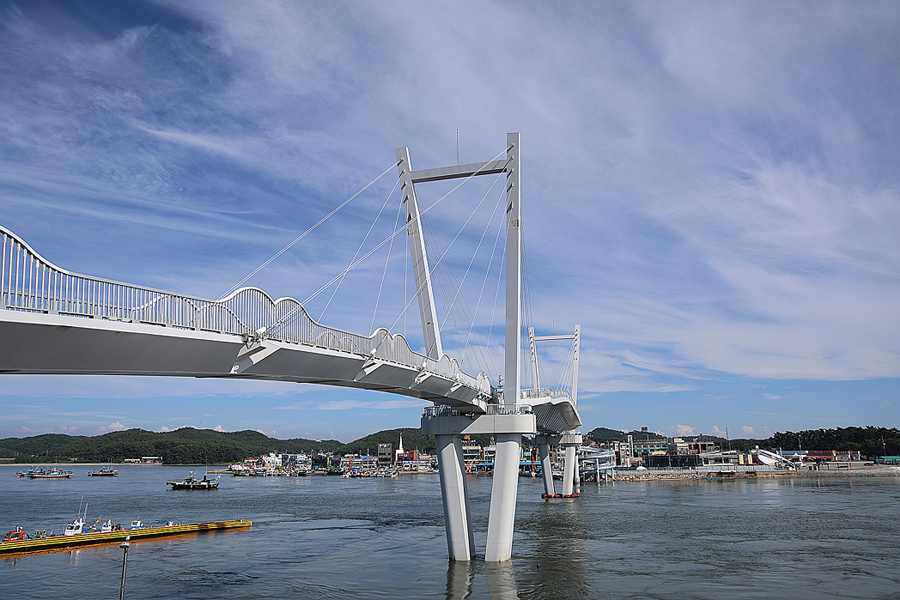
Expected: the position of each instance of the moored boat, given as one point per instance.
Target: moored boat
(21, 542)
(104, 472)
(54, 473)
(192, 483)
(16, 535)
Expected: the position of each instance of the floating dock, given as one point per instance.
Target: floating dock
(63, 542)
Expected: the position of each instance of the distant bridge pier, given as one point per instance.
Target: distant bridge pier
(508, 425)
(543, 443)
(571, 441)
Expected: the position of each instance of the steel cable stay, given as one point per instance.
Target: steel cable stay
(527, 313)
(565, 379)
(496, 296)
(361, 244)
(459, 314)
(384, 273)
(485, 349)
(307, 232)
(477, 247)
(448, 283)
(281, 321)
(468, 322)
(440, 267)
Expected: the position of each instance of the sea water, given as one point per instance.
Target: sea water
(330, 537)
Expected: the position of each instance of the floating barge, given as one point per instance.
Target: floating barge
(64, 542)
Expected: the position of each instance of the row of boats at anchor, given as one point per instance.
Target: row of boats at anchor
(18, 541)
(57, 473)
(76, 527)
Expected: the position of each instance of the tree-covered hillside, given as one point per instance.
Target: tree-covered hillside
(206, 446)
(604, 434)
(182, 446)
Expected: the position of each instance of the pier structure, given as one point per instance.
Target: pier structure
(570, 440)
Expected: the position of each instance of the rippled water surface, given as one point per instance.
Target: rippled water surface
(329, 537)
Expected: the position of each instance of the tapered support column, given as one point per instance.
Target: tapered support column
(503, 497)
(568, 471)
(546, 469)
(577, 475)
(457, 518)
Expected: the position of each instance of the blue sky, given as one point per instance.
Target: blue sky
(712, 190)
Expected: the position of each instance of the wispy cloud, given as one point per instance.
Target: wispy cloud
(710, 190)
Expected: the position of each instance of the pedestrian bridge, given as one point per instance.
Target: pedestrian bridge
(53, 321)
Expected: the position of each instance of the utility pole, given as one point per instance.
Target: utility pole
(124, 545)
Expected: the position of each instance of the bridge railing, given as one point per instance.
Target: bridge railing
(535, 393)
(28, 282)
(444, 410)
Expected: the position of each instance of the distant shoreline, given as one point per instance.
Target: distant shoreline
(632, 476)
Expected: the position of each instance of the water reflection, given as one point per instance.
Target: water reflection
(460, 575)
(501, 580)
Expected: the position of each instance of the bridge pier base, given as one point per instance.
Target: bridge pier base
(546, 469)
(504, 490)
(569, 471)
(448, 427)
(570, 441)
(455, 497)
(543, 442)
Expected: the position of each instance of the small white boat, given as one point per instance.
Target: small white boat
(76, 527)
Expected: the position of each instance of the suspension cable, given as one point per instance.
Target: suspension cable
(361, 244)
(384, 273)
(475, 253)
(294, 311)
(308, 231)
(481, 348)
(496, 295)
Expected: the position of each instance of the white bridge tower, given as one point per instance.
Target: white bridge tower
(505, 419)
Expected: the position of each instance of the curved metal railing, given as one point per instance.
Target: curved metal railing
(28, 282)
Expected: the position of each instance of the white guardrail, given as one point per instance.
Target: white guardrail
(444, 410)
(28, 282)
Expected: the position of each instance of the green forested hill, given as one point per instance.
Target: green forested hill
(182, 446)
(206, 446)
(604, 434)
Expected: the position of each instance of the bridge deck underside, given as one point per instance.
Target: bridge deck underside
(38, 343)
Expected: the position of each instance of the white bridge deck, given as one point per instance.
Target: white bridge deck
(56, 322)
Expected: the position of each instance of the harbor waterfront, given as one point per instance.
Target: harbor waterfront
(331, 537)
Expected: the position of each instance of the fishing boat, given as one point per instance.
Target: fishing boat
(192, 483)
(16, 535)
(54, 473)
(76, 527)
(104, 472)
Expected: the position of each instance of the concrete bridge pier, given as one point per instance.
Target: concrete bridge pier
(504, 490)
(448, 426)
(455, 497)
(543, 442)
(570, 441)
(569, 471)
(577, 473)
